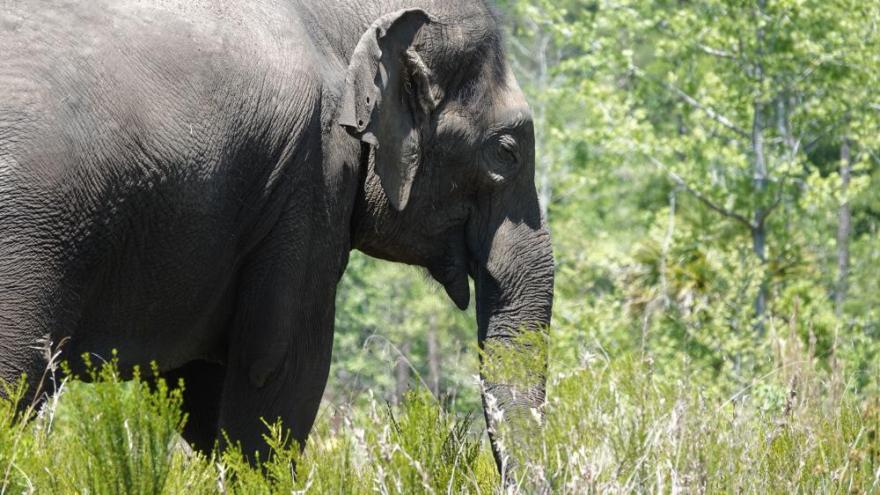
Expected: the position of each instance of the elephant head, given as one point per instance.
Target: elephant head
(448, 152)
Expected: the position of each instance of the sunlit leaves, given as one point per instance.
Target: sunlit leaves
(650, 108)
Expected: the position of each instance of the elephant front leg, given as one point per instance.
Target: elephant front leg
(291, 393)
(279, 356)
(202, 389)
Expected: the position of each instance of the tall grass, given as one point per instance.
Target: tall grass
(610, 426)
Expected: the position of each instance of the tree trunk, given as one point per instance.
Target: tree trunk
(759, 229)
(401, 374)
(759, 171)
(843, 230)
(433, 357)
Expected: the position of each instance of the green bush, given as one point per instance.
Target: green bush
(609, 426)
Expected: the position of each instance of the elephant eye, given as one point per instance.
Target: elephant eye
(508, 151)
(506, 161)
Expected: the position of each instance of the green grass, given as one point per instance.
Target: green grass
(610, 426)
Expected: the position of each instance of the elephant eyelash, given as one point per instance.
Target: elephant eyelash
(508, 149)
(507, 143)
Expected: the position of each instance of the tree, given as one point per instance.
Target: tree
(728, 106)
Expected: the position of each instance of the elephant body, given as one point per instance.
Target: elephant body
(183, 182)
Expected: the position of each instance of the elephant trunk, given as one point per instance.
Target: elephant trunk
(514, 295)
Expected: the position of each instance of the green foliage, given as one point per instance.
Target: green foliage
(15, 440)
(131, 453)
(417, 449)
(691, 159)
(449, 460)
(111, 436)
(384, 315)
(670, 436)
(520, 363)
(610, 426)
(114, 436)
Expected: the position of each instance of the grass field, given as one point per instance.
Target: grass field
(611, 426)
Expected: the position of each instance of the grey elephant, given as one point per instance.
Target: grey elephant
(184, 181)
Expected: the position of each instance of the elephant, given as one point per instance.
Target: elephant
(183, 182)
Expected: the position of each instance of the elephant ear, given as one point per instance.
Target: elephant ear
(388, 99)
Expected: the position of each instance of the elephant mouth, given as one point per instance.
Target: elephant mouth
(454, 278)
(453, 269)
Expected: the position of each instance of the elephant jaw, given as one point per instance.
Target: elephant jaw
(455, 280)
(459, 291)
(452, 274)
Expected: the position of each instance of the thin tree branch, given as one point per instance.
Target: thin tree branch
(701, 198)
(690, 100)
(776, 202)
(516, 43)
(830, 129)
(716, 52)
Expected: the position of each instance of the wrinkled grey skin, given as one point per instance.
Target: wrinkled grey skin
(183, 181)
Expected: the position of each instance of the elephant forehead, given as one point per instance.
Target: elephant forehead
(510, 101)
(459, 123)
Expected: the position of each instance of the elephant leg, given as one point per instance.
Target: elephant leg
(281, 339)
(293, 398)
(29, 359)
(281, 380)
(203, 384)
(26, 346)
